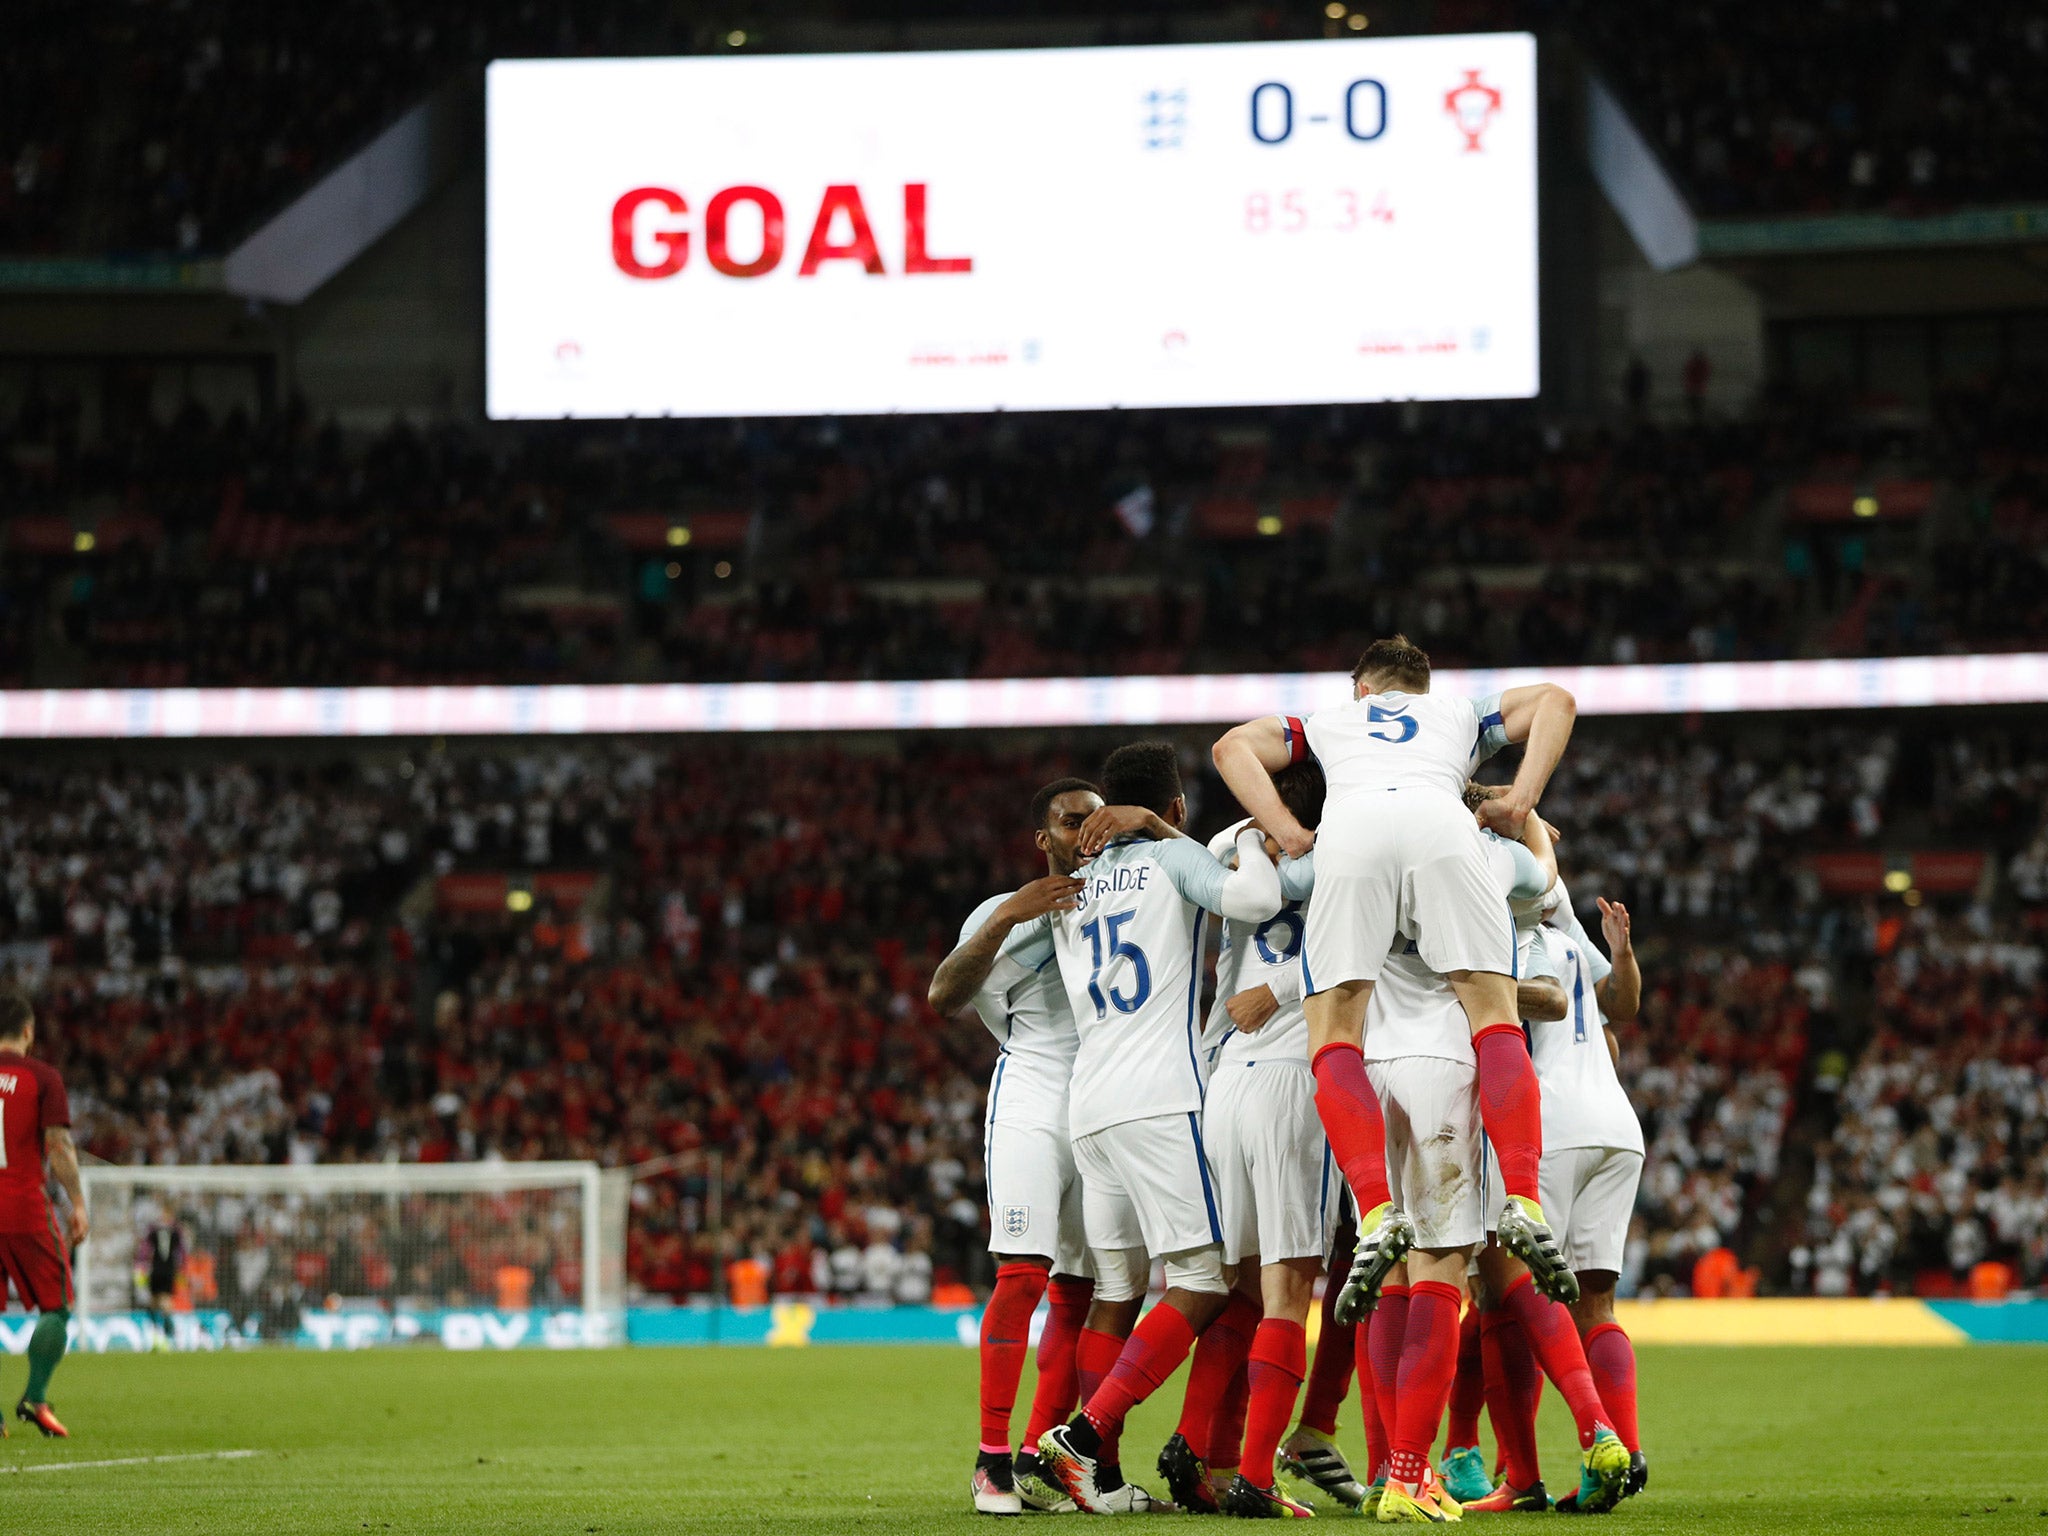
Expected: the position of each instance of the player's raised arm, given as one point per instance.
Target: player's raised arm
(1540, 718)
(962, 973)
(1620, 994)
(1247, 756)
(1249, 893)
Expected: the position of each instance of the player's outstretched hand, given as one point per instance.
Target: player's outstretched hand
(1111, 822)
(1249, 1011)
(1052, 893)
(1614, 925)
(79, 1225)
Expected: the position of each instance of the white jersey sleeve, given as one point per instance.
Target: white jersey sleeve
(1024, 1006)
(1249, 892)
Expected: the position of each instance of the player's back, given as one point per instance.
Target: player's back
(28, 1091)
(1130, 956)
(1024, 1006)
(1388, 741)
(1584, 1104)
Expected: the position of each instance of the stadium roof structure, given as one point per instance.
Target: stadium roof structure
(1899, 682)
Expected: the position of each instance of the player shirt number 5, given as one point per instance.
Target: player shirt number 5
(31, 1101)
(1405, 741)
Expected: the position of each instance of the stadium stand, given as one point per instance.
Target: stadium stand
(200, 119)
(727, 946)
(196, 551)
(1817, 108)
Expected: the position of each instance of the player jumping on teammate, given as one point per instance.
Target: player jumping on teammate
(1402, 856)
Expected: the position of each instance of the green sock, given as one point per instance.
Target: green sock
(45, 1349)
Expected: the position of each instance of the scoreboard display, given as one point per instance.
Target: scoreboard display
(1047, 229)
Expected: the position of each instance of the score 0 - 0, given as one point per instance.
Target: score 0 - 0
(1295, 210)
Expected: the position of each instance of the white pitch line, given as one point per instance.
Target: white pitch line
(134, 1461)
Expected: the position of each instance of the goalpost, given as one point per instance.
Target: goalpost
(340, 1255)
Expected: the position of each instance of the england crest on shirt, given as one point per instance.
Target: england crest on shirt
(1016, 1220)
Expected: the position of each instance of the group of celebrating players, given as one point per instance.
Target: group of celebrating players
(1405, 1080)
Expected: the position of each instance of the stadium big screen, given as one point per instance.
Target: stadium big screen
(1232, 224)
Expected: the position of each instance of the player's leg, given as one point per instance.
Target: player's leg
(1514, 1385)
(1025, 1171)
(1351, 925)
(1311, 1454)
(1218, 1366)
(1511, 1104)
(1123, 1271)
(1465, 932)
(1595, 1241)
(1229, 1118)
(1464, 1465)
(40, 1268)
(1429, 1360)
(1603, 1459)
(1069, 1294)
(1159, 1168)
(1278, 1365)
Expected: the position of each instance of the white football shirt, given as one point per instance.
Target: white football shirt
(1405, 741)
(1024, 1005)
(1263, 954)
(1584, 1104)
(1130, 955)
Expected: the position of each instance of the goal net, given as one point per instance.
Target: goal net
(476, 1255)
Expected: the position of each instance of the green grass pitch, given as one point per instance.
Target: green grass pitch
(882, 1439)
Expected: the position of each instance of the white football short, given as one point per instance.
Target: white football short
(1145, 1184)
(1270, 1159)
(1034, 1196)
(1434, 1146)
(1589, 1194)
(1409, 862)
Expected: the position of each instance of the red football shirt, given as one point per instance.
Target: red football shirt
(32, 1100)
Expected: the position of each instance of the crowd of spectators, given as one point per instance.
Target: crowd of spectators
(233, 551)
(1833, 105)
(1934, 1176)
(280, 967)
(207, 115)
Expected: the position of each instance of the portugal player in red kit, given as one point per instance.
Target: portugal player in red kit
(35, 1122)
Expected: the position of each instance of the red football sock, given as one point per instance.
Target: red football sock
(1005, 1336)
(1375, 1432)
(1510, 1373)
(1329, 1377)
(1556, 1342)
(1226, 1429)
(1510, 1105)
(1351, 1117)
(1059, 1386)
(1429, 1359)
(1385, 1335)
(1279, 1360)
(1150, 1355)
(1612, 1359)
(1468, 1388)
(1219, 1356)
(1095, 1356)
